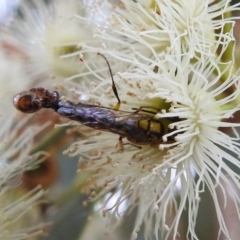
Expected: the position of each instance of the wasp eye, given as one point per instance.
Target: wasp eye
(27, 102)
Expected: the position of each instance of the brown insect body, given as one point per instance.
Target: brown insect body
(137, 127)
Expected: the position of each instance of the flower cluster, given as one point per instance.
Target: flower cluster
(178, 63)
(19, 210)
(172, 61)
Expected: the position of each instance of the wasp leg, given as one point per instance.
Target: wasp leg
(141, 109)
(120, 144)
(113, 84)
(139, 147)
(169, 140)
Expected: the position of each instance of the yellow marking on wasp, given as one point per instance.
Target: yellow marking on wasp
(155, 127)
(143, 124)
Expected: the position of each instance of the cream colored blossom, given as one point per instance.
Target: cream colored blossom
(19, 212)
(146, 177)
(170, 48)
(159, 41)
(144, 29)
(13, 78)
(52, 38)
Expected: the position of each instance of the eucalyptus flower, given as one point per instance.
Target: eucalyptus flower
(51, 37)
(177, 74)
(175, 51)
(143, 29)
(192, 97)
(19, 212)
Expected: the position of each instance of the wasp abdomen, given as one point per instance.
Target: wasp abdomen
(93, 116)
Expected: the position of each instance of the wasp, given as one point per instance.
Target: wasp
(139, 127)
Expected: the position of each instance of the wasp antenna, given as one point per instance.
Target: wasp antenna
(113, 83)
